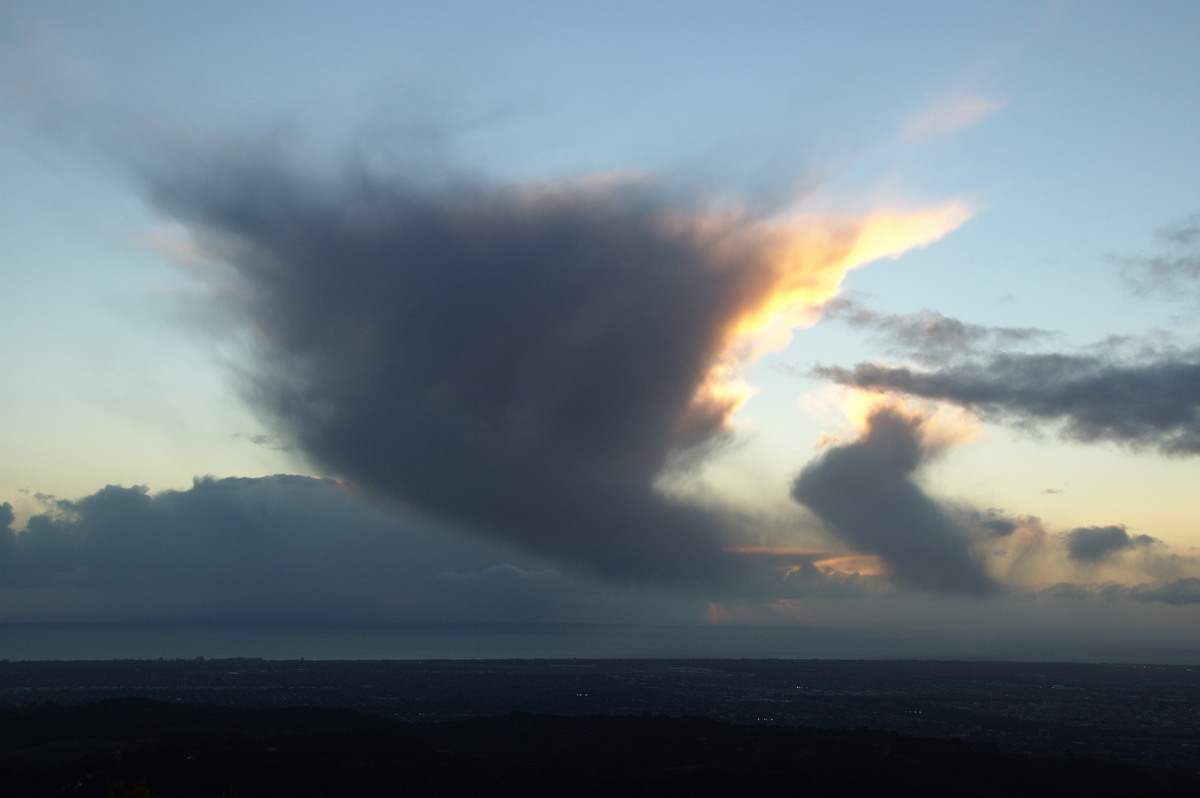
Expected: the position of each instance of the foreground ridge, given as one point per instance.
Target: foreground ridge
(141, 747)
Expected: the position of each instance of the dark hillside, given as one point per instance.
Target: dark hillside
(139, 747)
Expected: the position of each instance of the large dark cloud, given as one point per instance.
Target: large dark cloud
(1151, 402)
(865, 492)
(1092, 544)
(526, 361)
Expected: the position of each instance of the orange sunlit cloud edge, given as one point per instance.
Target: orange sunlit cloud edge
(847, 562)
(806, 258)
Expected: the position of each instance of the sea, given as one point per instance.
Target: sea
(107, 641)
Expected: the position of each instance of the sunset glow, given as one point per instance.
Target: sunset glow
(805, 260)
(843, 316)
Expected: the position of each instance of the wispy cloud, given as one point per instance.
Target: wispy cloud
(41, 70)
(928, 336)
(948, 115)
(1175, 269)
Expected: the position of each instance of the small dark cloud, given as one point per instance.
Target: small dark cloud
(1092, 544)
(1000, 527)
(866, 494)
(992, 522)
(1152, 402)
(1173, 270)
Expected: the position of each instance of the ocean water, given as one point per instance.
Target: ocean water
(278, 641)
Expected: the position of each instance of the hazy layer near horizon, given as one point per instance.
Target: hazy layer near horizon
(37, 641)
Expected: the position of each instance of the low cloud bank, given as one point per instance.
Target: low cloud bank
(285, 548)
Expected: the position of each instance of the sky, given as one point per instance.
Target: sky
(795, 329)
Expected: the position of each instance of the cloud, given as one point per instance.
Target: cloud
(1140, 392)
(1067, 590)
(525, 360)
(1150, 402)
(1178, 592)
(1001, 527)
(8, 540)
(1175, 269)
(287, 548)
(263, 440)
(950, 115)
(1092, 544)
(865, 493)
(1022, 555)
(311, 551)
(928, 336)
(42, 72)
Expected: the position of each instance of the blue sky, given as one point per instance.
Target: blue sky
(1033, 346)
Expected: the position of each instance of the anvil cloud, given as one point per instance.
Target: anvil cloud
(527, 361)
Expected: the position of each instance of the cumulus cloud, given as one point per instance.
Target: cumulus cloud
(1151, 402)
(1091, 544)
(865, 492)
(528, 361)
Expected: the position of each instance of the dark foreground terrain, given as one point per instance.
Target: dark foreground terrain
(1144, 714)
(284, 727)
(141, 748)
